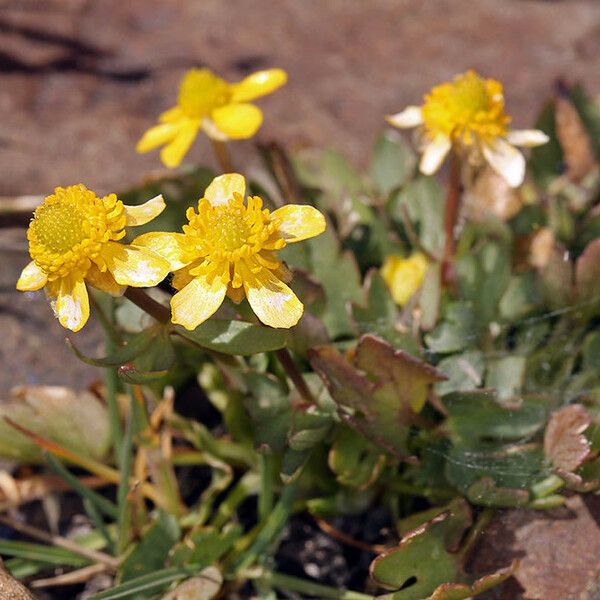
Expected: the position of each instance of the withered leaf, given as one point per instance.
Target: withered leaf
(564, 442)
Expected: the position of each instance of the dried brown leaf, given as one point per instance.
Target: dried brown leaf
(564, 442)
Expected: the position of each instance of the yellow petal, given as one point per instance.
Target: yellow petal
(434, 154)
(274, 303)
(173, 153)
(104, 281)
(299, 222)
(237, 121)
(411, 116)
(404, 276)
(258, 84)
(157, 136)
(171, 115)
(528, 138)
(171, 246)
(506, 160)
(197, 301)
(135, 266)
(222, 188)
(72, 304)
(143, 213)
(32, 278)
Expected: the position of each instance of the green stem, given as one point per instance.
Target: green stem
(111, 379)
(303, 586)
(478, 528)
(271, 528)
(265, 498)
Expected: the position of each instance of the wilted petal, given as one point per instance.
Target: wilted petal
(143, 213)
(222, 188)
(173, 153)
(72, 304)
(197, 301)
(157, 136)
(528, 138)
(32, 278)
(258, 84)
(171, 246)
(273, 302)
(411, 116)
(299, 222)
(237, 121)
(135, 266)
(434, 154)
(506, 160)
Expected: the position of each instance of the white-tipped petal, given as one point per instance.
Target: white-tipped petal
(411, 116)
(222, 188)
(144, 213)
(434, 154)
(527, 138)
(506, 160)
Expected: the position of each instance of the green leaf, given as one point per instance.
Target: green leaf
(588, 110)
(235, 337)
(485, 492)
(506, 375)
(134, 347)
(153, 582)
(546, 161)
(151, 552)
(206, 546)
(393, 162)
(355, 461)
(384, 388)
(44, 554)
(464, 372)
(456, 332)
(520, 298)
(129, 374)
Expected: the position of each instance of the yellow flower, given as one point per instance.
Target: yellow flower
(210, 103)
(73, 241)
(469, 114)
(229, 248)
(404, 276)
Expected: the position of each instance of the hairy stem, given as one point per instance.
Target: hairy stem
(147, 304)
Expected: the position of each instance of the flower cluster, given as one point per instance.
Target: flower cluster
(229, 245)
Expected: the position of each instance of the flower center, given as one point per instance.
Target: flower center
(232, 231)
(201, 91)
(57, 227)
(465, 109)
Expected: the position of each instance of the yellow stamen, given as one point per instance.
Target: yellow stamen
(465, 109)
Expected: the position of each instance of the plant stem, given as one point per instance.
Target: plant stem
(478, 528)
(295, 584)
(147, 304)
(289, 366)
(265, 497)
(450, 217)
(222, 155)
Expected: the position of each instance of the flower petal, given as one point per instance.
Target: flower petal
(72, 304)
(173, 153)
(299, 222)
(171, 246)
(104, 281)
(411, 116)
(157, 136)
(237, 121)
(258, 84)
(32, 278)
(274, 303)
(434, 154)
(144, 213)
(135, 266)
(197, 301)
(528, 138)
(171, 115)
(222, 188)
(506, 160)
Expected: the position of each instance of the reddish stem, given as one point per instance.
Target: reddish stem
(452, 210)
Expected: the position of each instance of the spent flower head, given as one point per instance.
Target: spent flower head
(73, 240)
(207, 102)
(468, 114)
(229, 248)
(404, 276)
